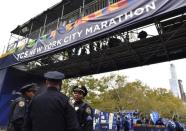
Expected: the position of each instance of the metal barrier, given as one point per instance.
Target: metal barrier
(149, 128)
(71, 17)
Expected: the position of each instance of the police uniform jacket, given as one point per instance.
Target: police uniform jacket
(85, 115)
(18, 113)
(51, 111)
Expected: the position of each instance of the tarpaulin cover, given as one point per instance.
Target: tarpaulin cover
(117, 16)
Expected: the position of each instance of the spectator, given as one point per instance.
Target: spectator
(178, 125)
(118, 122)
(126, 124)
(159, 122)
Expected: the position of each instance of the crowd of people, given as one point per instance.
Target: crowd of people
(50, 110)
(128, 121)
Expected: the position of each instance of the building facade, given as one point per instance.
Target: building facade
(183, 96)
(174, 82)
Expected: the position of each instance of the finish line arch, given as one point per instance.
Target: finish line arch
(96, 42)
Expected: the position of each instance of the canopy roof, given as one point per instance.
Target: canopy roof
(55, 12)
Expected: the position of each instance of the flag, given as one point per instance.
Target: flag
(154, 116)
(118, 5)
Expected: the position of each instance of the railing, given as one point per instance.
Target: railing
(95, 5)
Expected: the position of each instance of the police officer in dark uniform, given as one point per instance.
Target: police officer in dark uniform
(51, 110)
(19, 108)
(83, 110)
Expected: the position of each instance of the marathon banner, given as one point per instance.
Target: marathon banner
(120, 15)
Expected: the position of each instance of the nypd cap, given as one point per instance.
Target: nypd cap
(54, 75)
(82, 89)
(28, 87)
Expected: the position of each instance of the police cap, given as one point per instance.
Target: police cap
(54, 75)
(82, 89)
(28, 87)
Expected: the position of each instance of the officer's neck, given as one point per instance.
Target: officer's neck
(79, 102)
(52, 85)
(26, 97)
(52, 88)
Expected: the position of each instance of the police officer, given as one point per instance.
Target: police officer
(19, 108)
(83, 110)
(51, 110)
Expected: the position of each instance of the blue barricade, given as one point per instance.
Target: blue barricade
(149, 128)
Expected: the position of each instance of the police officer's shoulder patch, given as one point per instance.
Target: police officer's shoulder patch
(88, 110)
(21, 104)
